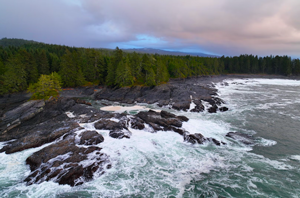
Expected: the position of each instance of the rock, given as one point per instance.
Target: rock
(183, 118)
(38, 135)
(165, 114)
(244, 138)
(117, 129)
(174, 122)
(195, 138)
(199, 106)
(223, 109)
(213, 109)
(90, 138)
(155, 118)
(137, 123)
(24, 112)
(66, 163)
(216, 142)
(184, 105)
(108, 125)
(176, 93)
(120, 133)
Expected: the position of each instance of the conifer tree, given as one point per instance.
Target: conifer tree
(124, 75)
(14, 79)
(42, 62)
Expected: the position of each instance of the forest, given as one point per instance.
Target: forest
(23, 62)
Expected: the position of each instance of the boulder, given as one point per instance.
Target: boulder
(90, 138)
(194, 138)
(241, 137)
(66, 163)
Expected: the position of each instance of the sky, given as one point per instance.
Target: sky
(221, 27)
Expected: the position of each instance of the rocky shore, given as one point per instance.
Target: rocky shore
(71, 154)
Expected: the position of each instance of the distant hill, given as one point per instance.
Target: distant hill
(165, 52)
(6, 42)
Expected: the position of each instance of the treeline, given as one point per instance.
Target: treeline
(23, 64)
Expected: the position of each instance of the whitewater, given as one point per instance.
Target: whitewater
(163, 165)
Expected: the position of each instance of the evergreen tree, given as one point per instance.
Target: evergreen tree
(162, 74)
(124, 75)
(14, 79)
(70, 72)
(42, 62)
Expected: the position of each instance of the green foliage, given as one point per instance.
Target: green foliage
(47, 86)
(14, 79)
(70, 71)
(124, 75)
(22, 62)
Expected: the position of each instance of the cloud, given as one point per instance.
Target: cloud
(227, 27)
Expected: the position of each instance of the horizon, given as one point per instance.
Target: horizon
(165, 50)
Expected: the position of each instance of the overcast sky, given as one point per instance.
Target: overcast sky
(223, 27)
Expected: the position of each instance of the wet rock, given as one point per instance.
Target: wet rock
(195, 138)
(213, 109)
(90, 138)
(184, 105)
(199, 106)
(165, 114)
(216, 142)
(137, 123)
(66, 163)
(117, 129)
(241, 137)
(223, 109)
(155, 117)
(176, 93)
(108, 125)
(183, 118)
(120, 133)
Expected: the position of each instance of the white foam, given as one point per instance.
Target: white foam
(295, 157)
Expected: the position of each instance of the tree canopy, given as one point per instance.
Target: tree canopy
(23, 63)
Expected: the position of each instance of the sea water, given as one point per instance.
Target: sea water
(163, 165)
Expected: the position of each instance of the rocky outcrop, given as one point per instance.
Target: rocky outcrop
(177, 94)
(74, 155)
(65, 162)
(24, 112)
(117, 130)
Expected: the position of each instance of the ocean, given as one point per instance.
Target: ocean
(163, 165)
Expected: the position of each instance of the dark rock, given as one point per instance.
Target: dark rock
(108, 125)
(137, 123)
(183, 118)
(165, 114)
(223, 109)
(213, 109)
(216, 142)
(117, 129)
(177, 93)
(61, 163)
(184, 105)
(120, 133)
(195, 138)
(24, 112)
(91, 138)
(174, 122)
(155, 127)
(80, 101)
(244, 138)
(199, 106)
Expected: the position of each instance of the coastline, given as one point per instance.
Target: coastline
(62, 123)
